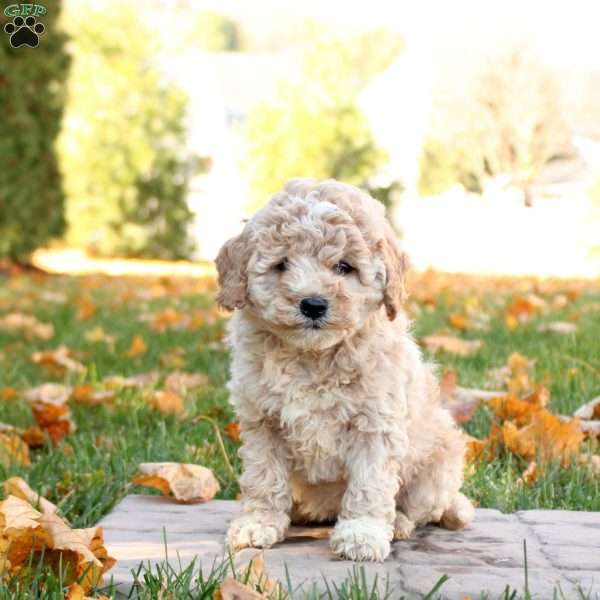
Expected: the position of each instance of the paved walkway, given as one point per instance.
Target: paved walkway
(563, 548)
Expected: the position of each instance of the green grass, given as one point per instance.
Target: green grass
(91, 470)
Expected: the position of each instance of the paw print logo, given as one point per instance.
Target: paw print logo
(24, 32)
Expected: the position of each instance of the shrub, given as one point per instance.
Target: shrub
(215, 32)
(505, 120)
(123, 145)
(313, 127)
(31, 100)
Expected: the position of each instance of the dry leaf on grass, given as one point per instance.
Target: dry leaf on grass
(475, 449)
(563, 327)
(16, 486)
(232, 431)
(589, 410)
(28, 324)
(87, 395)
(460, 401)
(180, 382)
(515, 375)
(34, 437)
(520, 411)
(8, 393)
(522, 308)
(140, 381)
(13, 450)
(255, 576)
(592, 461)
(185, 482)
(451, 344)
(529, 476)
(590, 428)
(165, 402)
(24, 529)
(137, 347)
(86, 308)
(58, 360)
(77, 592)
(167, 318)
(231, 589)
(173, 358)
(50, 409)
(97, 335)
(546, 437)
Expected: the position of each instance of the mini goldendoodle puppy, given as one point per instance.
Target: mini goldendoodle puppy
(340, 416)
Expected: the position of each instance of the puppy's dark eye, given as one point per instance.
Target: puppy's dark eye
(281, 266)
(343, 268)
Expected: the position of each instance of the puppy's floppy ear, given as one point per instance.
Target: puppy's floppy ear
(232, 263)
(396, 267)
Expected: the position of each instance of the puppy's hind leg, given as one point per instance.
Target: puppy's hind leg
(459, 514)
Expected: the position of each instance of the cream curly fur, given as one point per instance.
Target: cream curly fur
(340, 417)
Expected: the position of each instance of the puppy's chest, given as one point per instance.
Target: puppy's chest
(316, 422)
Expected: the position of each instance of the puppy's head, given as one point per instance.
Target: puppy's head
(314, 264)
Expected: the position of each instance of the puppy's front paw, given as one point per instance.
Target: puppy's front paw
(365, 538)
(257, 530)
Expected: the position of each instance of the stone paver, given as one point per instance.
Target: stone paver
(563, 548)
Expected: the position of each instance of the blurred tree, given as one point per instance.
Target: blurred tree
(123, 144)
(32, 97)
(215, 32)
(505, 119)
(313, 126)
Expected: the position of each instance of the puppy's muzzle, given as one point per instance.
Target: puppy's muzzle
(314, 308)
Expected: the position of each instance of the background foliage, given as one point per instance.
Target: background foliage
(32, 82)
(313, 126)
(215, 32)
(123, 144)
(506, 119)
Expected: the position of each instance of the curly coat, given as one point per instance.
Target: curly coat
(340, 416)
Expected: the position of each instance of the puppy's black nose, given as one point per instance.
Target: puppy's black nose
(314, 307)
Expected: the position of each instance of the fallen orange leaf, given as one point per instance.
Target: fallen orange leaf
(8, 393)
(86, 308)
(530, 474)
(232, 430)
(589, 410)
(18, 487)
(87, 395)
(137, 347)
(59, 360)
(511, 408)
(186, 482)
(166, 402)
(475, 449)
(27, 324)
(79, 553)
(180, 382)
(50, 409)
(563, 327)
(13, 451)
(546, 437)
(459, 321)
(231, 589)
(451, 344)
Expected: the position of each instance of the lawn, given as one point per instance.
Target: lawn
(126, 327)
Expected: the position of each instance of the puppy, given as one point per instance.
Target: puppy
(340, 417)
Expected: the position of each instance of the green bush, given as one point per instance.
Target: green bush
(313, 126)
(214, 32)
(31, 101)
(123, 142)
(505, 119)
